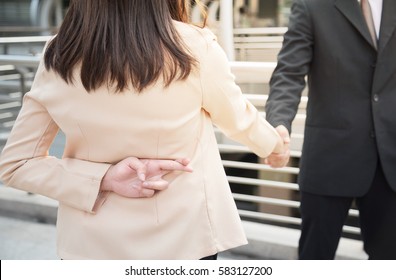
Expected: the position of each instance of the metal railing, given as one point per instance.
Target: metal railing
(32, 45)
(258, 44)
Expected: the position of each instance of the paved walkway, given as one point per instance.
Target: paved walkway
(26, 240)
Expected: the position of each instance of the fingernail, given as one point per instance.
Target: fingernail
(141, 176)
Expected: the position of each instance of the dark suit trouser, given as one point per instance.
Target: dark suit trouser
(324, 216)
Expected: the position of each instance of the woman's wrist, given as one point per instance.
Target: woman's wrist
(105, 184)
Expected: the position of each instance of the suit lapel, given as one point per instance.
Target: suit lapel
(388, 23)
(351, 10)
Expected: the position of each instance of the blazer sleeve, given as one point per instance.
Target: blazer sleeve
(229, 110)
(26, 165)
(288, 79)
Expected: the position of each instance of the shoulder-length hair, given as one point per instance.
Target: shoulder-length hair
(121, 42)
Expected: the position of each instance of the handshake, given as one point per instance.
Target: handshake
(281, 155)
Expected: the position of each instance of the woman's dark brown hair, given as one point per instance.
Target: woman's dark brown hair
(121, 42)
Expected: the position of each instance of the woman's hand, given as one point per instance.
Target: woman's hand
(280, 159)
(134, 178)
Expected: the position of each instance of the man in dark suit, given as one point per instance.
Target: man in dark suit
(349, 150)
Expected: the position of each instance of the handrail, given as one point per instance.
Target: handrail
(259, 166)
(20, 60)
(258, 44)
(24, 39)
(259, 30)
(27, 29)
(252, 72)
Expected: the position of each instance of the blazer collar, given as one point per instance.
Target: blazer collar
(351, 10)
(388, 23)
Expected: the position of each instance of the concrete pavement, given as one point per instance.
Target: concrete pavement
(26, 240)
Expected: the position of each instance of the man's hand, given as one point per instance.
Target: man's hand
(136, 178)
(277, 160)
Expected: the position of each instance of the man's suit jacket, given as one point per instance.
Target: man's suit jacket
(352, 94)
(196, 216)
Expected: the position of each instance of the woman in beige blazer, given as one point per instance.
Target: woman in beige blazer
(130, 78)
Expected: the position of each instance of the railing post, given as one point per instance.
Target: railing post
(226, 36)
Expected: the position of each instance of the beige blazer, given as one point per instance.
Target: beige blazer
(195, 217)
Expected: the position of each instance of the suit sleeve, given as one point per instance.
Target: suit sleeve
(26, 165)
(229, 110)
(288, 80)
